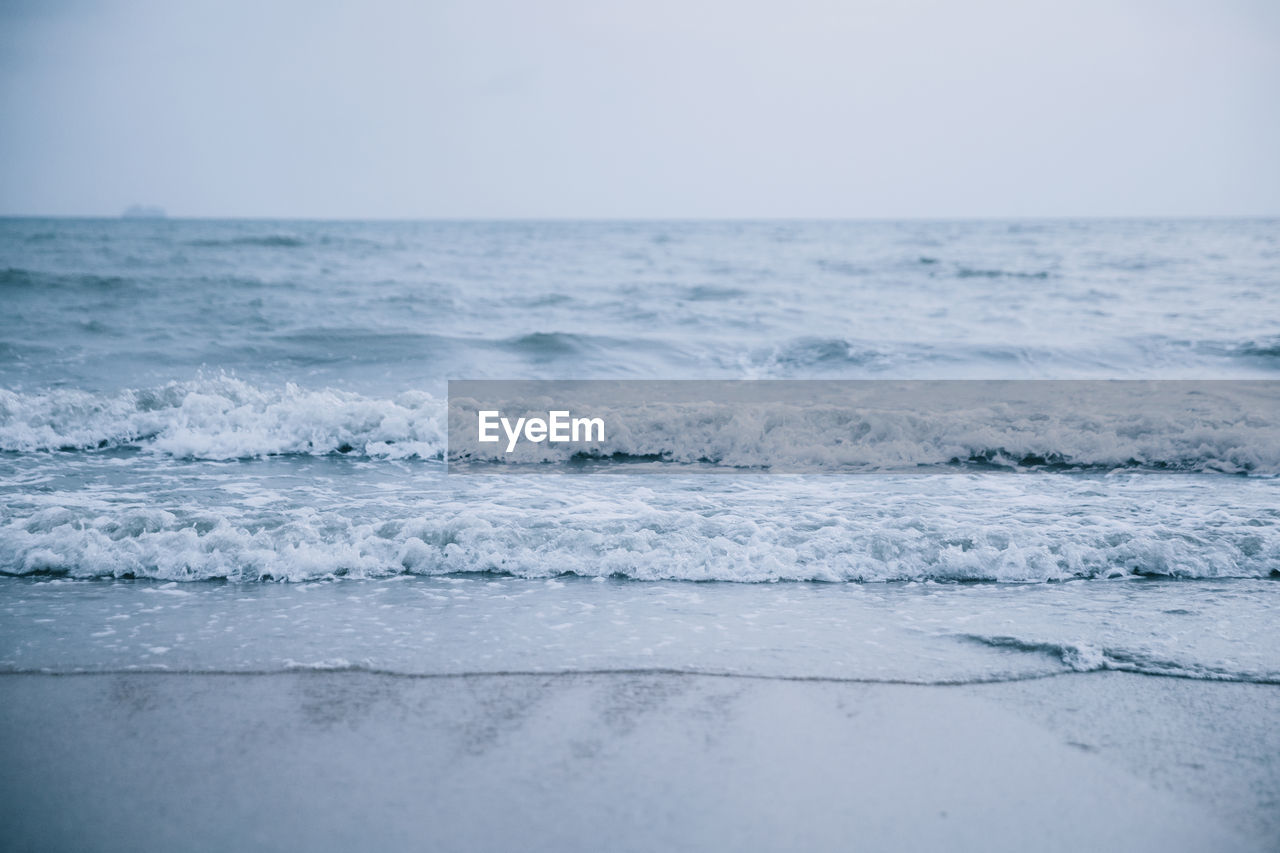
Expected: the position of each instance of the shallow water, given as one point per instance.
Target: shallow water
(917, 633)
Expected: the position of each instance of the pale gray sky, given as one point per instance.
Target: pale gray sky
(485, 108)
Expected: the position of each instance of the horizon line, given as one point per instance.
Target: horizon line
(123, 217)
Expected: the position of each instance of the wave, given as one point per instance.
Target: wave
(1087, 657)
(17, 278)
(975, 272)
(544, 347)
(223, 417)
(813, 352)
(811, 357)
(621, 530)
(289, 666)
(1266, 348)
(1205, 427)
(267, 241)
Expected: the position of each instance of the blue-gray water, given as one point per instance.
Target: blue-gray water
(204, 402)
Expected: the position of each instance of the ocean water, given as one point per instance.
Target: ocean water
(222, 449)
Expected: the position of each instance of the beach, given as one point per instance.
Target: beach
(635, 761)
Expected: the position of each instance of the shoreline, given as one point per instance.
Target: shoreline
(326, 759)
(322, 669)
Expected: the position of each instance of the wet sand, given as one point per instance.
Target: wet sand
(348, 760)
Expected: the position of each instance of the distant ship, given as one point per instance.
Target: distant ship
(143, 211)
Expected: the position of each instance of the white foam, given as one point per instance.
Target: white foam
(1213, 427)
(1000, 528)
(221, 417)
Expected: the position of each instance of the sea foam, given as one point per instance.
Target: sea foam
(222, 417)
(1006, 528)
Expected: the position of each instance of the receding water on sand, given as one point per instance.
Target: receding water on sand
(927, 633)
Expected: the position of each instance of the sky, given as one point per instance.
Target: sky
(654, 109)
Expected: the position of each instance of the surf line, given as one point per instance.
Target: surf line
(558, 427)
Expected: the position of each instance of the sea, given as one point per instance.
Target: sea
(223, 448)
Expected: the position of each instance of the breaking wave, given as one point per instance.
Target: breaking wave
(613, 527)
(223, 418)
(1203, 428)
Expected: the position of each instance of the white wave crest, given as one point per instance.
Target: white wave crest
(629, 536)
(1204, 427)
(223, 417)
